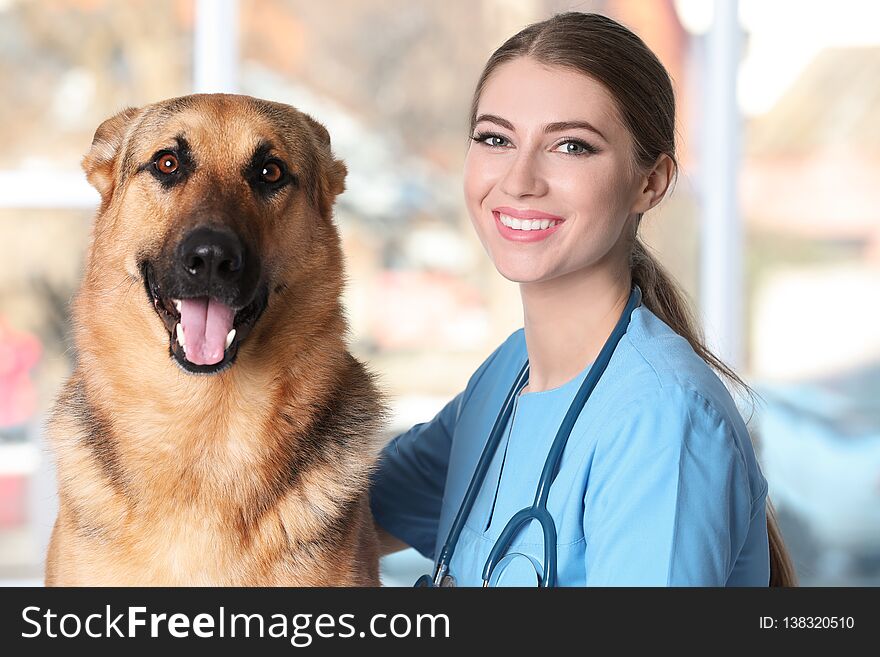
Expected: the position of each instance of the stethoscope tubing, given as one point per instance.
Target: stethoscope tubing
(479, 474)
(538, 511)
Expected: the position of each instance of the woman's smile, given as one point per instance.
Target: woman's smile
(525, 225)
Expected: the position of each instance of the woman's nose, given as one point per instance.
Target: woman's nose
(523, 176)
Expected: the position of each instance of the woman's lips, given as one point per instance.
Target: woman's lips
(534, 235)
(526, 214)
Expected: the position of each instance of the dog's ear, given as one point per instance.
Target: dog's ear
(100, 162)
(336, 170)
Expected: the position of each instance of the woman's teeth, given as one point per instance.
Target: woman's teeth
(527, 224)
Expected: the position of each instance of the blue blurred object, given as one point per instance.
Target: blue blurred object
(820, 452)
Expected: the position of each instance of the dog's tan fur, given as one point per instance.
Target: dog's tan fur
(256, 475)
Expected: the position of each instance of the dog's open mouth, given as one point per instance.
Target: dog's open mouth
(204, 332)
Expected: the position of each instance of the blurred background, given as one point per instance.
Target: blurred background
(772, 229)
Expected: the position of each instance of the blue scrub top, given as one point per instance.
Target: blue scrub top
(658, 485)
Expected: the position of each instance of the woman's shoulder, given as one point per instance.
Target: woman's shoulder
(510, 353)
(650, 360)
(657, 360)
(653, 363)
(661, 381)
(504, 362)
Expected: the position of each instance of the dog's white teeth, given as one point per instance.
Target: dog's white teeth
(180, 338)
(229, 338)
(177, 304)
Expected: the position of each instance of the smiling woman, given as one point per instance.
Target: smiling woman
(537, 151)
(654, 481)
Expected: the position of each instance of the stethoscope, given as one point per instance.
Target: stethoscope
(538, 509)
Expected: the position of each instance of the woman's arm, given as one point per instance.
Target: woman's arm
(407, 489)
(406, 495)
(668, 502)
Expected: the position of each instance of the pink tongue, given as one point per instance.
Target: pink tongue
(205, 325)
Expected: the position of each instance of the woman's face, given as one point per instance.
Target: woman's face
(550, 154)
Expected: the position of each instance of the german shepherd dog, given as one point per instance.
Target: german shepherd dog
(215, 429)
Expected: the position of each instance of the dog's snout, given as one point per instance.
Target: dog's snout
(211, 255)
(210, 260)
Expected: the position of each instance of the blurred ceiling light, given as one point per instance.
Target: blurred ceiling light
(73, 96)
(695, 15)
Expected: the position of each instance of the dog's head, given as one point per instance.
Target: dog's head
(214, 203)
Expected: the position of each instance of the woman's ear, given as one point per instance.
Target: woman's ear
(653, 185)
(100, 162)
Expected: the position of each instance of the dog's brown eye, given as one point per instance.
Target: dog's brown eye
(167, 163)
(271, 172)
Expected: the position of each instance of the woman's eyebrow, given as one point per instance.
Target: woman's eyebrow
(491, 118)
(557, 126)
(560, 126)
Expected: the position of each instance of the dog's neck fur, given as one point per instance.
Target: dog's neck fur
(184, 441)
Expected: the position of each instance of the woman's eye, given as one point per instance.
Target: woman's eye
(496, 141)
(574, 147)
(166, 163)
(272, 172)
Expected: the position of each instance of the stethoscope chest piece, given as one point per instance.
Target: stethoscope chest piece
(516, 569)
(425, 581)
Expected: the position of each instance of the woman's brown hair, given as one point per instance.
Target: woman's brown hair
(611, 54)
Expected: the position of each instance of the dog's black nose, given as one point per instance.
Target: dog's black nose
(211, 255)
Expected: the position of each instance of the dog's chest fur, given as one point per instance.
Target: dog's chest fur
(207, 503)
